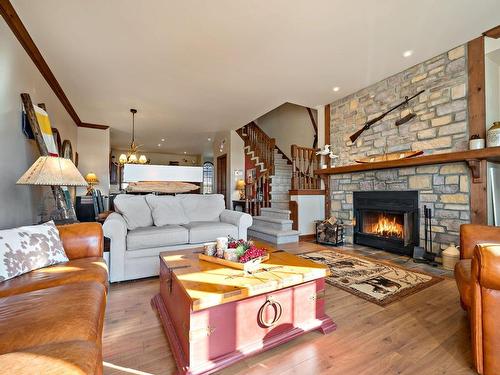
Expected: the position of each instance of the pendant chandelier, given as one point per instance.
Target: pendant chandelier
(131, 156)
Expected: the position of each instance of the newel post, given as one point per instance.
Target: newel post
(294, 168)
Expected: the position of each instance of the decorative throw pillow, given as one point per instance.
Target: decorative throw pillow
(202, 207)
(134, 210)
(25, 249)
(166, 210)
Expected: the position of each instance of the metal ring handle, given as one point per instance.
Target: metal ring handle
(278, 312)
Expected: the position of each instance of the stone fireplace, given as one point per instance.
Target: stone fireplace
(440, 126)
(386, 220)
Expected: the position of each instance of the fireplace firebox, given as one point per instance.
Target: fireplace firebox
(386, 220)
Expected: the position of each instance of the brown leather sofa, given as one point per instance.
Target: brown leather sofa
(478, 279)
(51, 319)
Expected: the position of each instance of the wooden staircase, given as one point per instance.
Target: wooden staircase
(260, 148)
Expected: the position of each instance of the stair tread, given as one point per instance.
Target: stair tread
(276, 210)
(273, 220)
(274, 232)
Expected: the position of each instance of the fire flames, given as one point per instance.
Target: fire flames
(387, 227)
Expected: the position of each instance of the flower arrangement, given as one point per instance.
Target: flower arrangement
(245, 250)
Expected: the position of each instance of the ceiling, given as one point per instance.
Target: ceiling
(193, 67)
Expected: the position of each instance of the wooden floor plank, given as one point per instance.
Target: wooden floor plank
(424, 333)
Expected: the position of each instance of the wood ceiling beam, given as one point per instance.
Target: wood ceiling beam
(493, 32)
(16, 25)
(476, 103)
(93, 126)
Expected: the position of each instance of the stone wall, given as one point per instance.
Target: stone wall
(439, 127)
(441, 122)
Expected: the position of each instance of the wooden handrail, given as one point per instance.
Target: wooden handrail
(304, 162)
(261, 144)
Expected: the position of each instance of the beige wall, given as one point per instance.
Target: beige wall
(289, 124)
(19, 205)
(233, 148)
(93, 156)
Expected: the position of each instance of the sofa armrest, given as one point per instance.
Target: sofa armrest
(472, 235)
(485, 308)
(82, 240)
(240, 219)
(115, 228)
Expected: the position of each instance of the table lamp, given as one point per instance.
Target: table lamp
(92, 180)
(55, 172)
(240, 185)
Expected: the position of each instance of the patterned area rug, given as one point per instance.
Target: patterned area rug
(378, 282)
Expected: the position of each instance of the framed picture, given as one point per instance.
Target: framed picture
(251, 175)
(67, 150)
(57, 140)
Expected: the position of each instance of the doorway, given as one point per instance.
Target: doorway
(222, 175)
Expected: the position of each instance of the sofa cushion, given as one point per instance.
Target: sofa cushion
(145, 238)
(83, 269)
(202, 207)
(463, 279)
(166, 210)
(204, 231)
(63, 313)
(134, 210)
(69, 358)
(28, 248)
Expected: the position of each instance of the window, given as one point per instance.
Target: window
(208, 177)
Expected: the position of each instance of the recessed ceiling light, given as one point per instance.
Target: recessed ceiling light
(209, 139)
(163, 139)
(185, 152)
(159, 144)
(336, 88)
(407, 53)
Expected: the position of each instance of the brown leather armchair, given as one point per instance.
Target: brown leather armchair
(478, 279)
(51, 319)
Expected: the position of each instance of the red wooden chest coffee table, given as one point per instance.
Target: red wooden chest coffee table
(215, 316)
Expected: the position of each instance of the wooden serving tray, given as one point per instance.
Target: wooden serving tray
(228, 263)
(388, 157)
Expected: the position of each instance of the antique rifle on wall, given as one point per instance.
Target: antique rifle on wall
(378, 118)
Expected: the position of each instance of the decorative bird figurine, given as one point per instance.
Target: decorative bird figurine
(333, 156)
(325, 151)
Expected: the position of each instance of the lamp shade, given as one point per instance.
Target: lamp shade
(240, 184)
(52, 171)
(91, 178)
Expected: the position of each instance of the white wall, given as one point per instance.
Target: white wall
(492, 94)
(19, 205)
(310, 209)
(93, 156)
(289, 124)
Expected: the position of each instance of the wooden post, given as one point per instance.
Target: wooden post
(477, 125)
(294, 168)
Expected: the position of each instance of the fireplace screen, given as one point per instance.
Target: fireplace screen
(384, 224)
(386, 220)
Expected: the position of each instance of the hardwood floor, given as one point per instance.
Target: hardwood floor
(425, 333)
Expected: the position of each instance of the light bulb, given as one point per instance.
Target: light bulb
(132, 158)
(122, 159)
(143, 159)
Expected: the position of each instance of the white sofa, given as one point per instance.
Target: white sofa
(146, 225)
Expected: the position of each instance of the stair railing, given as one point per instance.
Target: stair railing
(261, 144)
(258, 194)
(304, 162)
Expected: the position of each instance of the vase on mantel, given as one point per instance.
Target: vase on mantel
(493, 137)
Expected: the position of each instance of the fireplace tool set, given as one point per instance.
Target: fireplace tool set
(424, 254)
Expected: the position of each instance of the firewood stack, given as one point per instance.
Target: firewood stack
(329, 232)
